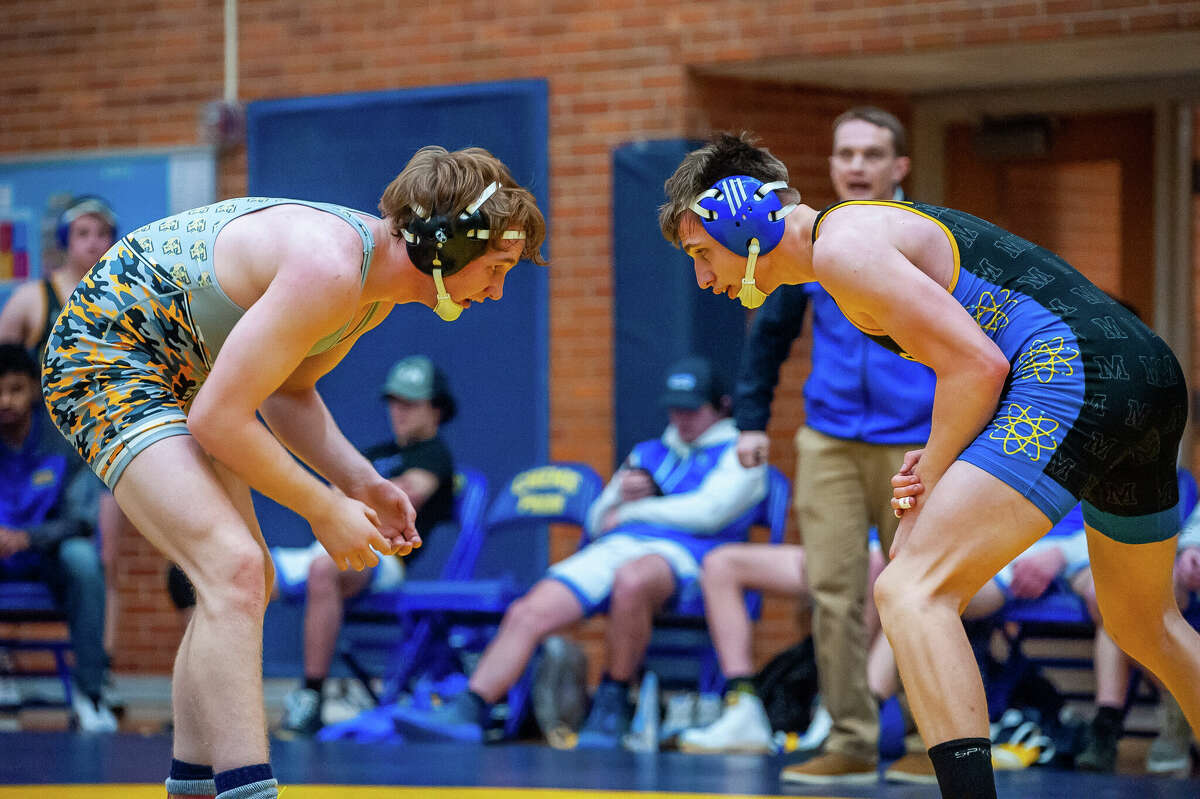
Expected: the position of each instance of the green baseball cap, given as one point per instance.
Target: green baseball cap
(417, 378)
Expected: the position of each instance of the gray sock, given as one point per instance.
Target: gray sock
(263, 789)
(191, 787)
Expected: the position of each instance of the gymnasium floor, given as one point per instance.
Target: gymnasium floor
(39, 759)
(54, 765)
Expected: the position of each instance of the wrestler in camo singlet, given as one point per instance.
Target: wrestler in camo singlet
(139, 335)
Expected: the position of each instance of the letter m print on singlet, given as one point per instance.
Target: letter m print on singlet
(1035, 278)
(1137, 414)
(1090, 294)
(1100, 445)
(965, 236)
(1110, 327)
(1014, 245)
(1160, 372)
(1112, 368)
(989, 271)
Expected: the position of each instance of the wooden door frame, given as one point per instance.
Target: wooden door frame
(1172, 102)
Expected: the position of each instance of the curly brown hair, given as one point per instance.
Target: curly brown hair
(446, 182)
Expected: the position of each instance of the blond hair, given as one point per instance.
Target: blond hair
(444, 182)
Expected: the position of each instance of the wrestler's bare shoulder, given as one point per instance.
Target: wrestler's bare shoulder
(252, 249)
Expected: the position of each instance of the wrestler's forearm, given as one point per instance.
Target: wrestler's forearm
(249, 450)
(964, 401)
(302, 422)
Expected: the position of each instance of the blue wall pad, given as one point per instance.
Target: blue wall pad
(659, 314)
(346, 149)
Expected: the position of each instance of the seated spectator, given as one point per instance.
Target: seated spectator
(47, 515)
(419, 402)
(670, 502)
(84, 230)
(727, 572)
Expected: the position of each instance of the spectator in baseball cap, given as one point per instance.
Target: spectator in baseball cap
(419, 401)
(691, 382)
(417, 379)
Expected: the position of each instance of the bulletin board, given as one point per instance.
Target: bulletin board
(140, 185)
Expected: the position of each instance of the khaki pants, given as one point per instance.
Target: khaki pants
(842, 489)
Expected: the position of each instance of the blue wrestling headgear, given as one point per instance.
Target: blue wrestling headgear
(82, 206)
(441, 245)
(745, 216)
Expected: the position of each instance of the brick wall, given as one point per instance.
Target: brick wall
(83, 74)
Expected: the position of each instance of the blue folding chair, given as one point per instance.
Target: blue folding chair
(390, 621)
(458, 614)
(681, 632)
(30, 602)
(560, 492)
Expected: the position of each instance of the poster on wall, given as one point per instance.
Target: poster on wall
(140, 185)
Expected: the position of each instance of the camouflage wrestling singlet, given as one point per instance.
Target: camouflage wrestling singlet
(139, 335)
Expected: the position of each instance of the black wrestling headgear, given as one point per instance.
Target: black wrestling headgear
(448, 243)
(439, 245)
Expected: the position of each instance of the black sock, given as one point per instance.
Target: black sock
(619, 683)
(182, 770)
(743, 685)
(964, 768)
(1109, 718)
(314, 683)
(622, 689)
(240, 777)
(476, 705)
(190, 779)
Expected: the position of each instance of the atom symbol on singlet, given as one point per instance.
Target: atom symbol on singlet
(990, 312)
(1046, 359)
(1021, 431)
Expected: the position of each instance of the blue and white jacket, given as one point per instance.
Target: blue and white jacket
(708, 497)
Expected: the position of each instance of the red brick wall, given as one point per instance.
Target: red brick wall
(84, 74)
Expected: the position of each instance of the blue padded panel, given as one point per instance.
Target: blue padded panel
(346, 149)
(660, 314)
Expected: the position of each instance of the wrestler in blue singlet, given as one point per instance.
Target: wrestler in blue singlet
(1095, 402)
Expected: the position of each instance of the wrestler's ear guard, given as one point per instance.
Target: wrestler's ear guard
(440, 245)
(745, 216)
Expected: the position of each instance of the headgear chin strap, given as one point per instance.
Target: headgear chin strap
(439, 245)
(745, 216)
(750, 295)
(447, 309)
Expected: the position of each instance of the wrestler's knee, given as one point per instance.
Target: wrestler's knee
(322, 578)
(235, 584)
(1139, 631)
(901, 592)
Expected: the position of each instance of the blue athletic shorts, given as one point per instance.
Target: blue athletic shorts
(1106, 431)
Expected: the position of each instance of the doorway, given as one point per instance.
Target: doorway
(1080, 185)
